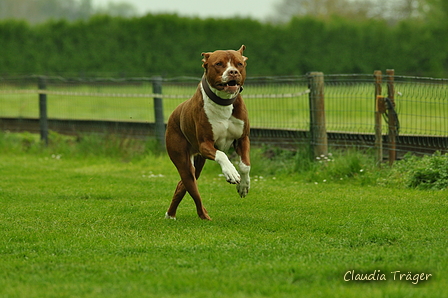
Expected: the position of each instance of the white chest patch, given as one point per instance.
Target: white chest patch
(226, 128)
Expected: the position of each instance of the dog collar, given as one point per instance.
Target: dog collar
(215, 98)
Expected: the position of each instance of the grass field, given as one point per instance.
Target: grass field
(422, 108)
(78, 223)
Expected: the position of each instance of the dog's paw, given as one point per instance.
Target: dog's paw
(228, 169)
(167, 216)
(242, 189)
(231, 174)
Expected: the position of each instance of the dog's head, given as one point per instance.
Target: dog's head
(225, 70)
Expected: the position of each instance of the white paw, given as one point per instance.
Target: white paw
(244, 186)
(228, 169)
(169, 217)
(242, 189)
(232, 175)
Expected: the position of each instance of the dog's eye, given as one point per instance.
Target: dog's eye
(239, 64)
(218, 64)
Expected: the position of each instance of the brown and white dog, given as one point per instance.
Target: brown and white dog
(207, 125)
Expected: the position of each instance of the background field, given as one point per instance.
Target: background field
(349, 102)
(81, 221)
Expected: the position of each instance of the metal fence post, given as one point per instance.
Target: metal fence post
(43, 118)
(379, 110)
(392, 116)
(158, 112)
(318, 131)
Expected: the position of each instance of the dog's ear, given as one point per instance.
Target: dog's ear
(204, 60)
(241, 50)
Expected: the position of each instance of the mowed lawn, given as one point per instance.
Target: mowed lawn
(95, 227)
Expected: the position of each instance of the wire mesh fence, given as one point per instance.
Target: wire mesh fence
(278, 105)
(349, 103)
(422, 105)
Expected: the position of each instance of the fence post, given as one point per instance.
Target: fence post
(158, 111)
(43, 118)
(392, 116)
(318, 131)
(379, 104)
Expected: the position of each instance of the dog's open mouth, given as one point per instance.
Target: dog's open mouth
(230, 86)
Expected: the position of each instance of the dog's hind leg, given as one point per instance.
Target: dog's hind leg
(192, 186)
(180, 160)
(199, 163)
(179, 194)
(188, 183)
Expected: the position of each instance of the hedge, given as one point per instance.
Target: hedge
(171, 45)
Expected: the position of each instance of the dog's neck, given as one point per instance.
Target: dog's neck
(217, 99)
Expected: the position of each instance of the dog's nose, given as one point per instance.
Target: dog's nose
(233, 72)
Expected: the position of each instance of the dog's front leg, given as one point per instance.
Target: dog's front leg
(228, 169)
(242, 148)
(243, 187)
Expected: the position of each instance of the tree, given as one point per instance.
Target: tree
(352, 9)
(122, 9)
(318, 8)
(38, 11)
(436, 10)
(392, 11)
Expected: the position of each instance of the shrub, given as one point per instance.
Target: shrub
(428, 172)
(170, 45)
(338, 166)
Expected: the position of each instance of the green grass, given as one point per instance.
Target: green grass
(349, 108)
(78, 221)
